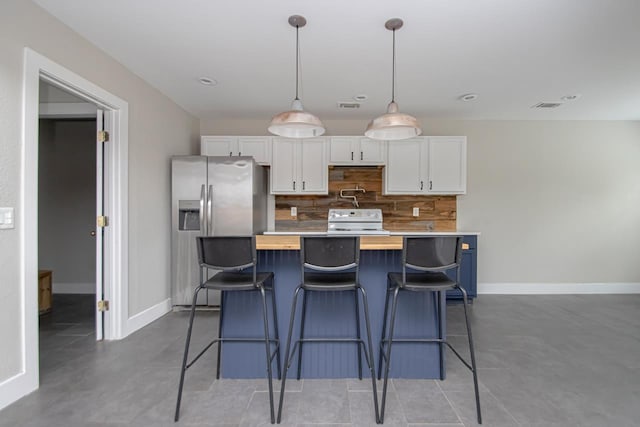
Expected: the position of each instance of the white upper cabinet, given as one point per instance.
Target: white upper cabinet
(356, 150)
(447, 165)
(259, 147)
(427, 165)
(300, 166)
(404, 171)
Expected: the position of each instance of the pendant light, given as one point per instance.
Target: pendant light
(393, 125)
(296, 123)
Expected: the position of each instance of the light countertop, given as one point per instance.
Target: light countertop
(290, 240)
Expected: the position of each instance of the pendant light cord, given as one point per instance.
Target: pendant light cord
(297, 57)
(393, 70)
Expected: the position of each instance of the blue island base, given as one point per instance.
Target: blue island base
(331, 314)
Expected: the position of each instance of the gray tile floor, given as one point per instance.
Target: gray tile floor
(543, 361)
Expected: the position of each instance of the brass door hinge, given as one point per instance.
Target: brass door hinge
(103, 305)
(103, 221)
(103, 136)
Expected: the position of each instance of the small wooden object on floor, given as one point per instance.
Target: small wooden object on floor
(44, 291)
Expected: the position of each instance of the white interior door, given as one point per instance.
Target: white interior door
(99, 231)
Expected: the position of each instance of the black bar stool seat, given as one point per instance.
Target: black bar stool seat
(330, 282)
(225, 281)
(423, 282)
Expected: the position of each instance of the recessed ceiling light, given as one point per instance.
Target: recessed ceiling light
(361, 97)
(468, 97)
(207, 81)
(570, 97)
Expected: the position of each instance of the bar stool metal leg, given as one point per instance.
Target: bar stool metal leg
(268, 351)
(384, 331)
(358, 335)
(275, 330)
(369, 353)
(394, 306)
(287, 357)
(472, 353)
(220, 317)
(437, 303)
(301, 340)
(186, 353)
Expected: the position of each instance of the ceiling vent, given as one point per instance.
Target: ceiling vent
(348, 105)
(547, 105)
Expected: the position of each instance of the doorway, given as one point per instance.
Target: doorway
(115, 240)
(67, 255)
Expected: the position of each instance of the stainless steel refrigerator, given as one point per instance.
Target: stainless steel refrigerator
(211, 196)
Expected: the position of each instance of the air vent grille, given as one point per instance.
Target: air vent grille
(348, 105)
(547, 105)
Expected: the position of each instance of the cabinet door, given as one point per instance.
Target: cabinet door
(284, 166)
(342, 151)
(447, 165)
(218, 146)
(259, 147)
(403, 173)
(313, 160)
(371, 151)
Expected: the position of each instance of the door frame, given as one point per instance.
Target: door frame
(36, 67)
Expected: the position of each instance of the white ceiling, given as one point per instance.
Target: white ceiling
(512, 53)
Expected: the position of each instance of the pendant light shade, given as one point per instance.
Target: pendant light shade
(296, 123)
(393, 125)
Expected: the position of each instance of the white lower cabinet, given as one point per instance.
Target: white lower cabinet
(258, 147)
(426, 165)
(299, 166)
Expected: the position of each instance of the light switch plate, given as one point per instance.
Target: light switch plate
(294, 211)
(6, 218)
(416, 211)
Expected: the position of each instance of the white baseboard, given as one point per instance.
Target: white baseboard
(558, 288)
(147, 316)
(73, 288)
(16, 387)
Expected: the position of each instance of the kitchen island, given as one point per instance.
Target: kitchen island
(331, 314)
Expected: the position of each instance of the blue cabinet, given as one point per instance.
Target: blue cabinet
(468, 270)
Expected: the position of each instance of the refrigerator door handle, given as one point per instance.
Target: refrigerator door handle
(202, 190)
(210, 211)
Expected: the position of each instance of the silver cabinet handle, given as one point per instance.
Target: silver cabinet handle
(230, 154)
(421, 185)
(430, 185)
(210, 210)
(352, 155)
(294, 186)
(239, 153)
(303, 185)
(202, 196)
(361, 157)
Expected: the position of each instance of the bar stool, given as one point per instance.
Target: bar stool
(330, 264)
(231, 255)
(432, 256)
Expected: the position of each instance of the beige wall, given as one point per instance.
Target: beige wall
(158, 128)
(555, 201)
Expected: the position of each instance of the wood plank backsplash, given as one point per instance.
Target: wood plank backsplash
(437, 213)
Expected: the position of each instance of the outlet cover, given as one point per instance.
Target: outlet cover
(416, 211)
(6, 218)
(294, 211)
